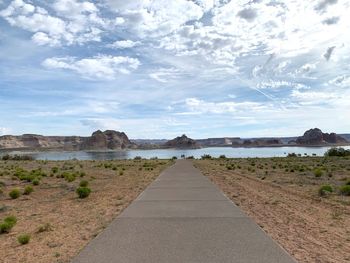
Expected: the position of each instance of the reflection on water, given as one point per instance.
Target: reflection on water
(169, 153)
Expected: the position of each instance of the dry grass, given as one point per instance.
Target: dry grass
(61, 224)
(281, 195)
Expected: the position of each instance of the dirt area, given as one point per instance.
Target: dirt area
(59, 223)
(282, 196)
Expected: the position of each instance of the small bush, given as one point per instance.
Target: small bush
(28, 190)
(206, 156)
(45, 228)
(15, 193)
(222, 156)
(83, 183)
(318, 172)
(83, 192)
(23, 239)
(8, 224)
(138, 158)
(324, 189)
(54, 169)
(36, 181)
(345, 190)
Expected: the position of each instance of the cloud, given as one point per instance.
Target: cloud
(323, 5)
(331, 20)
(165, 75)
(327, 55)
(124, 44)
(156, 18)
(101, 67)
(76, 23)
(341, 81)
(313, 97)
(200, 106)
(248, 14)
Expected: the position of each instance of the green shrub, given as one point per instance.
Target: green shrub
(28, 190)
(23, 239)
(83, 192)
(36, 181)
(337, 152)
(345, 190)
(15, 193)
(222, 156)
(324, 189)
(83, 183)
(54, 169)
(8, 224)
(206, 156)
(318, 172)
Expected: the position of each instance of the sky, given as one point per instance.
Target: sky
(162, 68)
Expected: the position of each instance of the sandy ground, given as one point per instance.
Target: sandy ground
(287, 206)
(73, 221)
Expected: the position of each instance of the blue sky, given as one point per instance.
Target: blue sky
(161, 68)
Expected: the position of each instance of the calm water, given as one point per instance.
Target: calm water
(169, 153)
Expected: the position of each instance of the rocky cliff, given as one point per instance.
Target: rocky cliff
(182, 142)
(317, 137)
(107, 140)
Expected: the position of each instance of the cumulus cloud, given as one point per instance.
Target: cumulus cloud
(100, 67)
(75, 23)
(248, 14)
(341, 81)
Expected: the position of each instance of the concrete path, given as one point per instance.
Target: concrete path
(182, 217)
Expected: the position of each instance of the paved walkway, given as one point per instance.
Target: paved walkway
(182, 217)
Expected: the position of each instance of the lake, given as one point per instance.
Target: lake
(169, 153)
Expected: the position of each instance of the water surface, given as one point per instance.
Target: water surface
(169, 153)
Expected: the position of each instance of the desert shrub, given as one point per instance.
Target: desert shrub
(341, 152)
(36, 181)
(190, 157)
(16, 157)
(8, 223)
(206, 156)
(44, 228)
(292, 155)
(28, 190)
(324, 189)
(344, 190)
(83, 192)
(223, 156)
(121, 172)
(54, 170)
(69, 177)
(83, 183)
(15, 193)
(174, 158)
(318, 172)
(82, 174)
(23, 239)
(138, 158)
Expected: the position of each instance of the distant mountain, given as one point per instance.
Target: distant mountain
(317, 137)
(182, 142)
(107, 140)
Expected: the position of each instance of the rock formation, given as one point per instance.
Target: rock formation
(317, 137)
(107, 140)
(182, 142)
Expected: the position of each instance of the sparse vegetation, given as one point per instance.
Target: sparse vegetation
(324, 190)
(28, 190)
(15, 193)
(23, 239)
(7, 224)
(83, 192)
(83, 183)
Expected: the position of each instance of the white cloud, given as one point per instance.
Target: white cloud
(75, 23)
(101, 67)
(165, 74)
(200, 106)
(314, 97)
(341, 81)
(124, 44)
